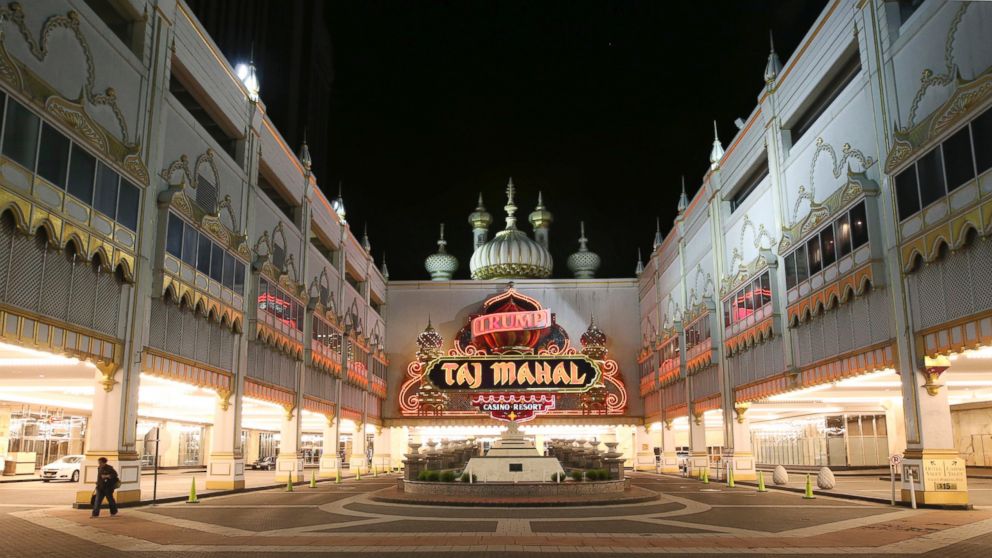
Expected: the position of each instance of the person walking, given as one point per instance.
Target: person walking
(107, 482)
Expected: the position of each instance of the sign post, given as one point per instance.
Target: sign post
(894, 460)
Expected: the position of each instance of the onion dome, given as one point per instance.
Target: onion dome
(429, 342)
(594, 340)
(337, 204)
(511, 254)
(583, 264)
(658, 237)
(365, 239)
(716, 154)
(441, 265)
(541, 218)
(774, 65)
(384, 269)
(637, 270)
(305, 159)
(683, 199)
(480, 218)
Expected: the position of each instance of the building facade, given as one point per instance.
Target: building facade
(170, 267)
(169, 263)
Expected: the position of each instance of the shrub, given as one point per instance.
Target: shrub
(433, 476)
(448, 476)
(422, 476)
(576, 475)
(554, 477)
(465, 477)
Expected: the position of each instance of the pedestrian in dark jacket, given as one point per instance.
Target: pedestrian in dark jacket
(106, 484)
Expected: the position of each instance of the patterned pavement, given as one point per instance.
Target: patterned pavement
(342, 520)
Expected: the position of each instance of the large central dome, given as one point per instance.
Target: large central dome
(511, 254)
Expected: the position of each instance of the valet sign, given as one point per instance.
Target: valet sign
(502, 373)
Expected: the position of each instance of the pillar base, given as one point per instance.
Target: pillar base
(697, 462)
(128, 468)
(939, 476)
(670, 463)
(225, 472)
(743, 464)
(645, 461)
(291, 464)
(328, 467)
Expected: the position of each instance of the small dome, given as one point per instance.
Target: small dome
(429, 341)
(541, 218)
(594, 340)
(583, 264)
(511, 254)
(480, 218)
(441, 265)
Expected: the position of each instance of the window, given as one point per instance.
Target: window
(288, 208)
(206, 195)
(843, 235)
(749, 299)
(957, 158)
(53, 157)
(907, 8)
(859, 225)
(199, 113)
(82, 168)
(833, 84)
(790, 270)
(981, 134)
(128, 29)
(217, 263)
(273, 300)
(174, 236)
(930, 172)
(228, 280)
(190, 240)
(20, 134)
(239, 277)
(278, 255)
(128, 198)
(203, 254)
(802, 265)
(907, 193)
(697, 332)
(105, 196)
(749, 184)
(827, 245)
(814, 254)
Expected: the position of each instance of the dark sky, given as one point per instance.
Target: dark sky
(602, 105)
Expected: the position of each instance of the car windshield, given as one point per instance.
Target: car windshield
(70, 459)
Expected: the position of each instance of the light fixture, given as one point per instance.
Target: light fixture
(246, 73)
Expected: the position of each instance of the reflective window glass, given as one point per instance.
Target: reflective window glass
(216, 263)
(239, 277)
(20, 134)
(907, 193)
(105, 194)
(958, 161)
(228, 271)
(814, 254)
(174, 236)
(859, 225)
(981, 136)
(190, 239)
(53, 156)
(842, 236)
(127, 205)
(203, 254)
(82, 168)
(802, 266)
(790, 270)
(827, 245)
(930, 170)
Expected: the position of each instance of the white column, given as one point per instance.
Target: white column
(644, 454)
(741, 454)
(111, 434)
(399, 441)
(666, 439)
(358, 459)
(895, 426)
(289, 461)
(698, 456)
(329, 454)
(226, 464)
(4, 430)
(381, 449)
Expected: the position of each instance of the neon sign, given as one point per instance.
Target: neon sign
(511, 321)
(564, 373)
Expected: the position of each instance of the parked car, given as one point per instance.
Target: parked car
(264, 464)
(66, 469)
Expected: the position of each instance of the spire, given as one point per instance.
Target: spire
(248, 76)
(510, 208)
(774, 66)
(384, 269)
(583, 263)
(640, 264)
(480, 218)
(658, 237)
(683, 200)
(305, 153)
(365, 239)
(337, 204)
(441, 265)
(716, 154)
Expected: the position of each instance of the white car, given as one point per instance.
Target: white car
(66, 468)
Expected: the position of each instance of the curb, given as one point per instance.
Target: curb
(173, 499)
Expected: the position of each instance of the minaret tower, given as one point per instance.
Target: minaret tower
(441, 265)
(480, 219)
(541, 220)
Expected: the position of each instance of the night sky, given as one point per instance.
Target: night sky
(602, 105)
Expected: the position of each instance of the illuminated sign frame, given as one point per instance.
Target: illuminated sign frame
(511, 321)
(559, 370)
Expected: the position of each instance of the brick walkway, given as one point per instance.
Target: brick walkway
(342, 520)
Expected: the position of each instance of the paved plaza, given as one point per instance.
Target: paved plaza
(345, 520)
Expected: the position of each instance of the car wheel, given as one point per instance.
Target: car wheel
(44, 480)
(75, 476)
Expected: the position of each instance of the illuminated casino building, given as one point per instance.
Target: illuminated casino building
(168, 263)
